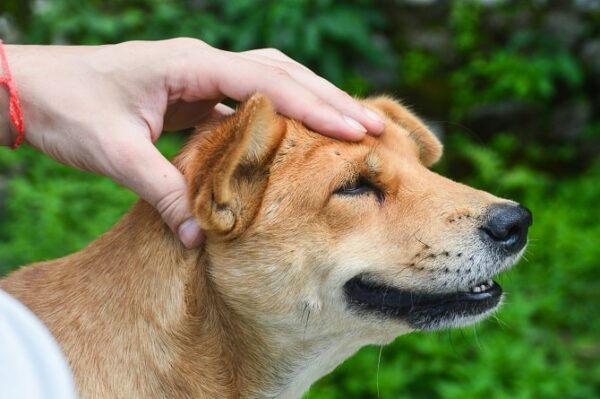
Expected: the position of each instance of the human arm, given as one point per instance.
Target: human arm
(102, 108)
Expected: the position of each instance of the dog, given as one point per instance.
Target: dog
(314, 248)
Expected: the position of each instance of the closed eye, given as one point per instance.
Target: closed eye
(360, 186)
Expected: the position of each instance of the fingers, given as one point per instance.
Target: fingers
(274, 54)
(289, 97)
(142, 168)
(321, 87)
(303, 96)
(202, 72)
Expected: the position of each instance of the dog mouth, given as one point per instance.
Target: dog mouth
(423, 310)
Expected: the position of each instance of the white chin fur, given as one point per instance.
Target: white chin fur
(461, 321)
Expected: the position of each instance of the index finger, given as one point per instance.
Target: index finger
(238, 78)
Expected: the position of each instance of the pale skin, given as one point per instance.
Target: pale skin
(102, 108)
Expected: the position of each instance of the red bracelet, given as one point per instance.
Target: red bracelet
(14, 106)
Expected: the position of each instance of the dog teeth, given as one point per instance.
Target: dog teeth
(482, 287)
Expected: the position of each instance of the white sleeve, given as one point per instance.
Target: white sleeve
(31, 363)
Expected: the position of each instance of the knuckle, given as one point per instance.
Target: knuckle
(188, 42)
(278, 72)
(341, 94)
(273, 52)
(345, 101)
(186, 48)
(322, 104)
(169, 205)
(347, 97)
(308, 114)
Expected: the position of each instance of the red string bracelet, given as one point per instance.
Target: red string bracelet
(14, 106)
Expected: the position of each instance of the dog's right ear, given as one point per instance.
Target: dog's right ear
(228, 171)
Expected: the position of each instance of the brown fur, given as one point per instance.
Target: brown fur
(255, 312)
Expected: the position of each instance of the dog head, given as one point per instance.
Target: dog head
(315, 236)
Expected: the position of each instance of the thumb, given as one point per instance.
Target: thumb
(144, 170)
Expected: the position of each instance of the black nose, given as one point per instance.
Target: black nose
(506, 226)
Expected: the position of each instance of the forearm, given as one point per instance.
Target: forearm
(100, 108)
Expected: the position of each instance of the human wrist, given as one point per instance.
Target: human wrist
(6, 130)
(11, 113)
(28, 66)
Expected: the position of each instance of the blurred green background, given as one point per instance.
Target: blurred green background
(511, 87)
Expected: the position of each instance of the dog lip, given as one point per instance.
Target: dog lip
(362, 292)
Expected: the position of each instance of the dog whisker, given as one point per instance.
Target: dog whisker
(476, 337)
(427, 246)
(378, 368)
(306, 324)
(303, 313)
(500, 322)
(466, 129)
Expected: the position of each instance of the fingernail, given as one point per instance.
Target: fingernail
(375, 118)
(357, 127)
(190, 233)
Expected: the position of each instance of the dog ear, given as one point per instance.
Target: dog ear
(229, 169)
(430, 148)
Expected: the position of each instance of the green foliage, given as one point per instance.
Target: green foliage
(326, 27)
(465, 19)
(504, 55)
(511, 75)
(417, 65)
(450, 60)
(53, 210)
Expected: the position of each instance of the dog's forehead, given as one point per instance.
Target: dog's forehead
(394, 142)
(398, 140)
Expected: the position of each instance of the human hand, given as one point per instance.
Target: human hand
(101, 108)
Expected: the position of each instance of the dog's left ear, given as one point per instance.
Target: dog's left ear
(229, 169)
(430, 148)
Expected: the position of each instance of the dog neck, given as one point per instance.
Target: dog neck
(167, 307)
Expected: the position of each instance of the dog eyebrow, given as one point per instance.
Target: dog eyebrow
(373, 163)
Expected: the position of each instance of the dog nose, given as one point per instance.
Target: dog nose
(506, 226)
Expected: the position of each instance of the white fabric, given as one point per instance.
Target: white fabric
(31, 363)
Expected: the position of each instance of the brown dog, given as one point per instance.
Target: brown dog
(314, 248)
